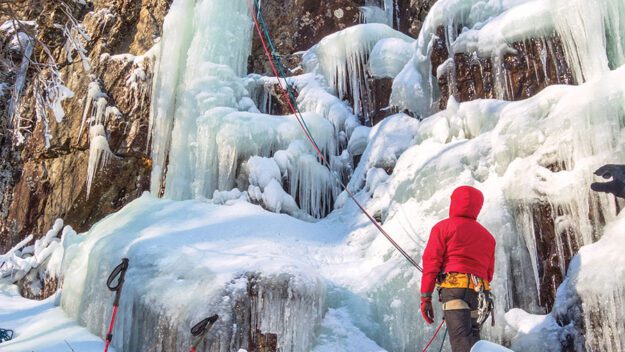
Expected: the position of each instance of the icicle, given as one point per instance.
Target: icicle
(93, 94)
(373, 14)
(231, 138)
(99, 153)
(101, 104)
(342, 57)
(310, 183)
(389, 10)
(593, 35)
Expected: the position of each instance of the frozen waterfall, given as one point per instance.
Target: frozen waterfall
(203, 54)
(206, 126)
(215, 152)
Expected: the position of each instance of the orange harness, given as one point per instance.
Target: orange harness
(469, 281)
(461, 280)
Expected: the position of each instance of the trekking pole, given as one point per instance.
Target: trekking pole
(200, 330)
(119, 271)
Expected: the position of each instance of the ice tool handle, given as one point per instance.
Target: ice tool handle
(119, 271)
(200, 329)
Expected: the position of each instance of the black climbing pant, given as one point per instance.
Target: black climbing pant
(463, 330)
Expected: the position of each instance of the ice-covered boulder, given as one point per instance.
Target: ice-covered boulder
(192, 259)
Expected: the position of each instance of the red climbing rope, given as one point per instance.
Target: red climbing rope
(284, 92)
(434, 336)
(316, 147)
(300, 120)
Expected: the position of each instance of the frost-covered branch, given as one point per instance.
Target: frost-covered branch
(49, 89)
(19, 260)
(75, 33)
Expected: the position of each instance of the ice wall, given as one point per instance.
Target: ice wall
(596, 281)
(506, 150)
(169, 67)
(586, 316)
(389, 56)
(591, 33)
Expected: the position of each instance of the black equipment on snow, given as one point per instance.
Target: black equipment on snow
(6, 335)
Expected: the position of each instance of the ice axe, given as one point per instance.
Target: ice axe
(200, 330)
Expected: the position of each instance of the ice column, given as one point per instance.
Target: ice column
(203, 53)
(593, 35)
(177, 30)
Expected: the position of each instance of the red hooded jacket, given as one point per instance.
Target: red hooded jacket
(459, 243)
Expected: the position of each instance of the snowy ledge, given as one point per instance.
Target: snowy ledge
(192, 259)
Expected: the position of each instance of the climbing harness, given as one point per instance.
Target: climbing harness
(6, 335)
(292, 103)
(119, 271)
(485, 298)
(461, 280)
(200, 330)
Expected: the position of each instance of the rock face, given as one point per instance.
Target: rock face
(411, 15)
(41, 183)
(536, 64)
(38, 285)
(297, 25)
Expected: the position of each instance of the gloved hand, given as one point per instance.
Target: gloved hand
(426, 308)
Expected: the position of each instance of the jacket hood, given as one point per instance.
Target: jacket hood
(466, 202)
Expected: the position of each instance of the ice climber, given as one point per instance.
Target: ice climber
(460, 258)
